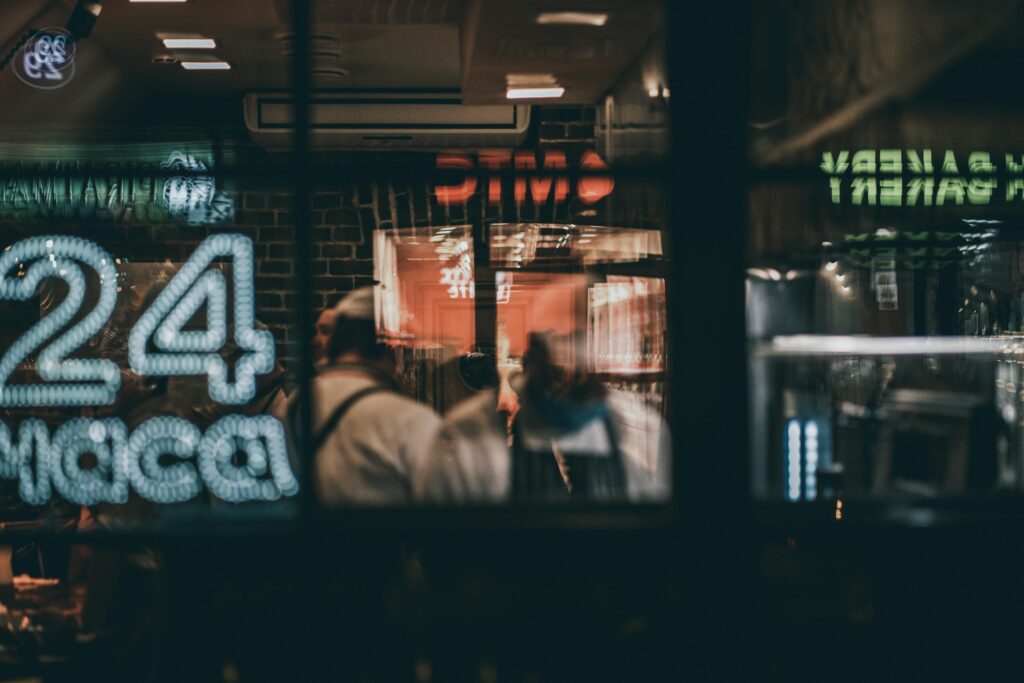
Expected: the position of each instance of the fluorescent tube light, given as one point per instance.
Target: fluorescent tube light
(205, 66)
(189, 43)
(573, 18)
(533, 93)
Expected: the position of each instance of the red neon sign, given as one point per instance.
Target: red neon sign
(589, 189)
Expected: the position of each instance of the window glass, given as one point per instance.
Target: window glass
(517, 275)
(147, 268)
(883, 287)
(154, 273)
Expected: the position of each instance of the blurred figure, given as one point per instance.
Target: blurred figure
(569, 439)
(321, 335)
(369, 439)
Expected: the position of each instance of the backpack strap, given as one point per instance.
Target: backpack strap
(336, 416)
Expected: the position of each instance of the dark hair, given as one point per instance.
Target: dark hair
(351, 335)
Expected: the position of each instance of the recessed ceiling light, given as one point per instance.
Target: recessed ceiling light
(192, 43)
(533, 93)
(573, 18)
(205, 66)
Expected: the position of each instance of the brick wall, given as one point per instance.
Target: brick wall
(561, 126)
(343, 218)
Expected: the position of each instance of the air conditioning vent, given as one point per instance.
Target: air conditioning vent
(407, 120)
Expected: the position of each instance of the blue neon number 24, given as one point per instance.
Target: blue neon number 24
(95, 382)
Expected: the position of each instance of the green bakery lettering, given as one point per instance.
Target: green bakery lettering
(925, 177)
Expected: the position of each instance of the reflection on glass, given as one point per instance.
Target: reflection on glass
(426, 308)
(515, 245)
(426, 286)
(564, 402)
(928, 405)
(576, 413)
(626, 325)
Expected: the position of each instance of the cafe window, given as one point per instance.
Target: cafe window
(274, 270)
(173, 266)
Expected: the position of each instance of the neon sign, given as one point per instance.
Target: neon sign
(192, 199)
(195, 353)
(41, 464)
(122, 461)
(896, 177)
(47, 60)
(886, 250)
(539, 189)
(59, 257)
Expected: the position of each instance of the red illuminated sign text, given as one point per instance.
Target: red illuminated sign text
(539, 188)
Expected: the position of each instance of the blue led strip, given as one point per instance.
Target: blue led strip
(60, 256)
(107, 480)
(792, 453)
(198, 352)
(811, 459)
(16, 461)
(237, 483)
(164, 483)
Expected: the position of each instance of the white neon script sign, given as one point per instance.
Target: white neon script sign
(41, 464)
(122, 461)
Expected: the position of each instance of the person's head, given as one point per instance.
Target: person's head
(556, 355)
(354, 336)
(322, 333)
(557, 365)
(557, 385)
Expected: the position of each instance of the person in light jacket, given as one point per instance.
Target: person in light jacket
(567, 438)
(369, 439)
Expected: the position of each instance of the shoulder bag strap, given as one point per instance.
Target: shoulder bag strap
(335, 417)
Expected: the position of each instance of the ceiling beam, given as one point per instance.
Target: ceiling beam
(898, 85)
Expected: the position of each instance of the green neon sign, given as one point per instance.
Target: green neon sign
(909, 177)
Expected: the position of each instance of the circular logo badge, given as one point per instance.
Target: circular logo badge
(47, 60)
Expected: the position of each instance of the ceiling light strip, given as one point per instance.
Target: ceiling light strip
(189, 43)
(205, 66)
(533, 93)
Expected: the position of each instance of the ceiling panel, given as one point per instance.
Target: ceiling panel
(501, 37)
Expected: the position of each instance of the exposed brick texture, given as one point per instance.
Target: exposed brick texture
(343, 219)
(571, 126)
